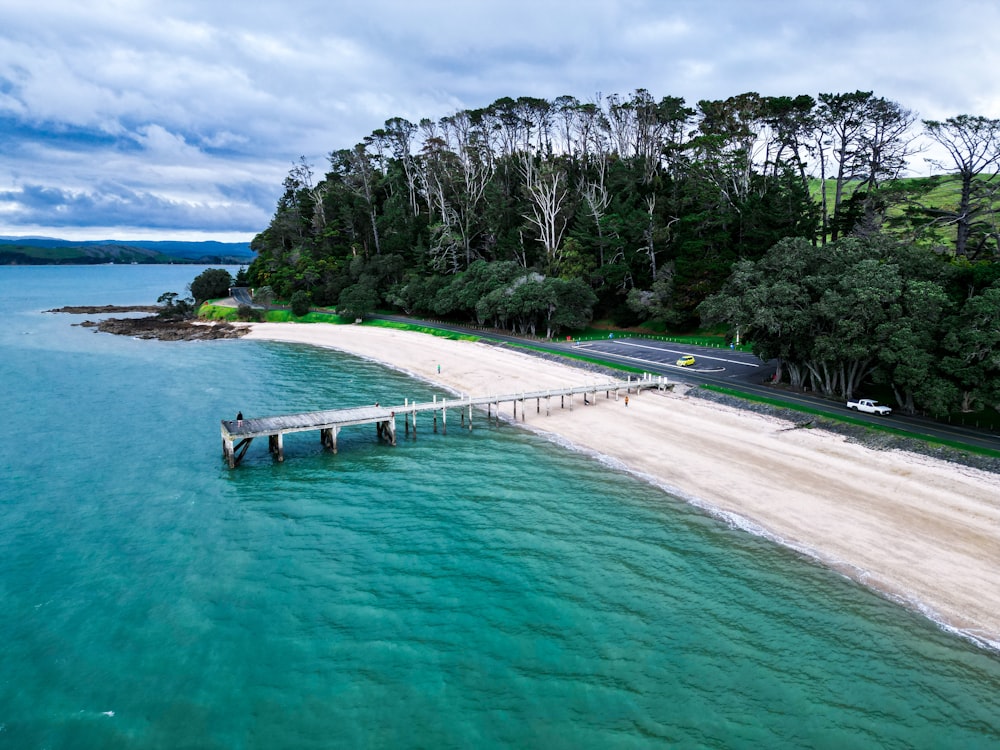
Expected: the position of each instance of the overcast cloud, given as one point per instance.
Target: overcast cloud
(170, 119)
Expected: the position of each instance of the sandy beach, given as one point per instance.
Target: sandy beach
(922, 531)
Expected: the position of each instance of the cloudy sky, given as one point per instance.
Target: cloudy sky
(178, 119)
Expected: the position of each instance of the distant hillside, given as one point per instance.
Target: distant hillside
(49, 251)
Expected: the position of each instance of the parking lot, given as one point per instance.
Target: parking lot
(661, 356)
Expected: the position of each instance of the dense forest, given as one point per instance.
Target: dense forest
(783, 216)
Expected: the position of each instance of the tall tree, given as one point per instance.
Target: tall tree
(910, 351)
(972, 344)
(400, 135)
(732, 140)
(841, 121)
(973, 146)
(860, 138)
(357, 169)
(825, 313)
(548, 192)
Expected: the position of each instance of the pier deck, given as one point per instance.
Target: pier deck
(237, 435)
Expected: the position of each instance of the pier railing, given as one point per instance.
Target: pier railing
(238, 434)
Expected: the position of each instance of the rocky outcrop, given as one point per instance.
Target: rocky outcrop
(166, 329)
(103, 309)
(154, 326)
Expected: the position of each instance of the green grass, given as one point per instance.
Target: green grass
(579, 358)
(851, 420)
(422, 329)
(208, 311)
(220, 312)
(286, 316)
(936, 192)
(944, 192)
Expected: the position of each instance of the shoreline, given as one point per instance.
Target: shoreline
(921, 531)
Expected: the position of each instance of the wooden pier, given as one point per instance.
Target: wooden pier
(237, 435)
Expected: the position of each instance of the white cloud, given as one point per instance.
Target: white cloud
(662, 31)
(190, 103)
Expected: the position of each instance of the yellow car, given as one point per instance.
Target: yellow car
(686, 361)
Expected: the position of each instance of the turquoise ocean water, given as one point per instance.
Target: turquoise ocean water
(478, 589)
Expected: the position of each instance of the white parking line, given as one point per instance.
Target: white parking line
(674, 351)
(657, 363)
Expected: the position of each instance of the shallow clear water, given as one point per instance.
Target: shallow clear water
(473, 589)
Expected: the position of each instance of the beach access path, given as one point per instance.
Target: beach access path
(922, 531)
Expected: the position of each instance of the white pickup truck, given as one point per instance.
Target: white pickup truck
(867, 405)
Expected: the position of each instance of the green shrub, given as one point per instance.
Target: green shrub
(300, 303)
(212, 283)
(246, 312)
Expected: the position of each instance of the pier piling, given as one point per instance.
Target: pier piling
(237, 435)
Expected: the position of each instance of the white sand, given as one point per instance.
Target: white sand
(923, 531)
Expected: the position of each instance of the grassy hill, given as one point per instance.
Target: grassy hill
(938, 190)
(911, 202)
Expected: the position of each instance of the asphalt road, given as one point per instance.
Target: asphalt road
(727, 364)
(727, 368)
(241, 295)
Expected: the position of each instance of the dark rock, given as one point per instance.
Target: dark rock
(166, 329)
(105, 309)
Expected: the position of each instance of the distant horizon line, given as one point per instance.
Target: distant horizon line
(126, 236)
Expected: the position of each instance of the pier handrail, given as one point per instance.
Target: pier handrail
(330, 421)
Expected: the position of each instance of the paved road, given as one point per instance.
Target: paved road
(724, 367)
(663, 355)
(241, 295)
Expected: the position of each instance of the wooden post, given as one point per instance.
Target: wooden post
(470, 412)
(280, 447)
(333, 441)
(227, 452)
(240, 450)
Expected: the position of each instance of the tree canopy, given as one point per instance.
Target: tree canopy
(211, 284)
(782, 214)
(868, 308)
